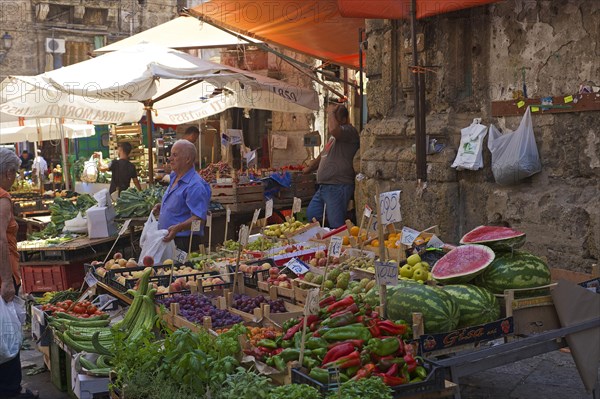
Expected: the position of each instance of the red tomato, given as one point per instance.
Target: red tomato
(79, 309)
(91, 309)
(84, 315)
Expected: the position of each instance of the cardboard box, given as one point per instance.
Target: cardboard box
(100, 220)
(85, 386)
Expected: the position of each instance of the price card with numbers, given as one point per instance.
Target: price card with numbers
(297, 205)
(297, 266)
(386, 273)
(408, 235)
(124, 227)
(389, 205)
(90, 279)
(335, 247)
(312, 302)
(227, 215)
(368, 211)
(435, 242)
(180, 255)
(269, 209)
(196, 224)
(255, 216)
(243, 235)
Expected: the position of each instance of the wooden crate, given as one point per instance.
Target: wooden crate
(239, 197)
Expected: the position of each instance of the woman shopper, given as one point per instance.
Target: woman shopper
(10, 279)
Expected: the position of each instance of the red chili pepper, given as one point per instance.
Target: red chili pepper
(338, 351)
(365, 371)
(393, 371)
(276, 351)
(411, 363)
(341, 304)
(293, 330)
(353, 359)
(327, 301)
(352, 309)
(357, 343)
(342, 318)
(392, 381)
(373, 328)
(390, 328)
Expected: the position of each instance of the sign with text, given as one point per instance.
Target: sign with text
(386, 273)
(389, 205)
(297, 205)
(297, 266)
(269, 209)
(312, 302)
(367, 212)
(255, 216)
(279, 141)
(124, 227)
(335, 247)
(409, 235)
(243, 235)
(180, 255)
(90, 279)
(196, 224)
(227, 215)
(435, 242)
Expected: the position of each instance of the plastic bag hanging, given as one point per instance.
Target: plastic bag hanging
(469, 155)
(514, 154)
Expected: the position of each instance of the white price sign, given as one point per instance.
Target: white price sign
(255, 216)
(435, 242)
(124, 227)
(196, 224)
(312, 302)
(389, 205)
(227, 215)
(269, 209)
(367, 212)
(386, 273)
(297, 206)
(90, 279)
(335, 247)
(243, 235)
(180, 255)
(297, 266)
(408, 235)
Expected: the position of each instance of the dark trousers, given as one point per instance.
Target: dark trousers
(183, 243)
(10, 374)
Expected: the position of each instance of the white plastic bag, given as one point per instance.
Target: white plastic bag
(469, 154)
(76, 225)
(11, 333)
(152, 244)
(90, 171)
(514, 154)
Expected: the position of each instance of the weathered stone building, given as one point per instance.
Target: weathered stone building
(478, 56)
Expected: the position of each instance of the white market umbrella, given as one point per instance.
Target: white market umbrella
(121, 86)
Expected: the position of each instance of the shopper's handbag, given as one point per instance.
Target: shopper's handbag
(514, 154)
(12, 316)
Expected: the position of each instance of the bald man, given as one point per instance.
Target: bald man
(187, 198)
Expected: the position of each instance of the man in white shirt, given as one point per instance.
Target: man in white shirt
(39, 168)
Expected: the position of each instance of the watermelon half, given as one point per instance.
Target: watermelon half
(496, 237)
(462, 264)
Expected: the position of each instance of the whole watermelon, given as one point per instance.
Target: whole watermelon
(440, 312)
(477, 305)
(518, 269)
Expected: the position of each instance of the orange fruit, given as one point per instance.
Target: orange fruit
(375, 243)
(346, 240)
(354, 231)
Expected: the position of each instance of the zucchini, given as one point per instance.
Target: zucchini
(99, 372)
(102, 361)
(81, 322)
(99, 347)
(87, 364)
(67, 316)
(77, 346)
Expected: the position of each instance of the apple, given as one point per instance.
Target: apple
(289, 249)
(122, 262)
(95, 262)
(285, 284)
(322, 261)
(217, 280)
(101, 271)
(282, 277)
(117, 255)
(148, 261)
(266, 266)
(313, 262)
(273, 272)
(320, 254)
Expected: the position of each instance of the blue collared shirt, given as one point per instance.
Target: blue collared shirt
(190, 197)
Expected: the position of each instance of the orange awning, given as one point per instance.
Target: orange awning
(400, 9)
(313, 27)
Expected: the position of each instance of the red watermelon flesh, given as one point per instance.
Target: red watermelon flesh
(462, 264)
(496, 237)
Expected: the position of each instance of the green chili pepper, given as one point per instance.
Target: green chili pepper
(290, 354)
(421, 372)
(316, 342)
(352, 331)
(279, 363)
(320, 375)
(268, 343)
(383, 347)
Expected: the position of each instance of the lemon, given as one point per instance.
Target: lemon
(406, 271)
(413, 259)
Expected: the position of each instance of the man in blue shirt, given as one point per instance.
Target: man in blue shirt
(187, 198)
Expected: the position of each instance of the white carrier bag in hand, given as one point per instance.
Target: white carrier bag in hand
(514, 154)
(469, 154)
(12, 317)
(90, 171)
(152, 243)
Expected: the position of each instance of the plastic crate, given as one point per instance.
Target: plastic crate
(433, 382)
(251, 279)
(44, 278)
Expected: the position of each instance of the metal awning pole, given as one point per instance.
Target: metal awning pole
(148, 108)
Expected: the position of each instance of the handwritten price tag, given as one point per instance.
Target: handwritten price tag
(368, 211)
(297, 206)
(124, 227)
(335, 247)
(312, 302)
(180, 255)
(435, 242)
(90, 279)
(389, 204)
(196, 224)
(227, 215)
(243, 235)
(297, 266)
(408, 235)
(386, 273)
(269, 209)
(255, 216)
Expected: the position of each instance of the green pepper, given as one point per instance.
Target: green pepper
(383, 347)
(350, 371)
(309, 362)
(268, 343)
(287, 344)
(316, 342)
(290, 354)
(319, 353)
(421, 372)
(279, 363)
(319, 375)
(298, 339)
(270, 361)
(352, 331)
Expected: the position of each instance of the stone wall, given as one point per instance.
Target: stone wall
(478, 56)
